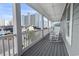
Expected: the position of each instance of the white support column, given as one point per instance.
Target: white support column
(51, 24)
(48, 26)
(42, 26)
(17, 25)
(71, 24)
(38, 20)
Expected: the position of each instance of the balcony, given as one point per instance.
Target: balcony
(8, 42)
(37, 40)
(21, 43)
(46, 48)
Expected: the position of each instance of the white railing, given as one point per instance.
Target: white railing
(26, 42)
(7, 45)
(8, 42)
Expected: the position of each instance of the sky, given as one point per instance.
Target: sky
(7, 14)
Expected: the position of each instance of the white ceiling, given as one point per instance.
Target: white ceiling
(53, 11)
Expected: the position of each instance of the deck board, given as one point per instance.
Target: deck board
(46, 48)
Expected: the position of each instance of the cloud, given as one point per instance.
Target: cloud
(7, 13)
(25, 9)
(6, 9)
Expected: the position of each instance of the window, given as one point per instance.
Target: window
(69, 18)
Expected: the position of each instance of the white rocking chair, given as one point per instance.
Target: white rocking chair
(54, 37)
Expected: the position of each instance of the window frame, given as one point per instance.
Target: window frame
(69, 36)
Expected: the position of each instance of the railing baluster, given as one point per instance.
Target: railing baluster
(3, 46)
(24, 41)
(26, 38)
(8, 45)
(13, 44)
(8, 38)
(27, 42)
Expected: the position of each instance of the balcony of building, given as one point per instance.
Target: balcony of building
(57, 35)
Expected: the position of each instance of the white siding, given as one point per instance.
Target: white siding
(72, 49)
(75, 41)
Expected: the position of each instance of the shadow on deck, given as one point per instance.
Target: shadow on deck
(46, 48)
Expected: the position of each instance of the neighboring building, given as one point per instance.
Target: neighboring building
(24, 20)
(2, 22)
(34, 20)
(37, 19)
(11, 22)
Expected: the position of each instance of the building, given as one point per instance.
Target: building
(2, 22)
(34, 20)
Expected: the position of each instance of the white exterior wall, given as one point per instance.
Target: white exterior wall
(72, 49)
(75, 41)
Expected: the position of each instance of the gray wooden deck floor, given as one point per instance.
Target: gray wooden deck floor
(47, 48)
